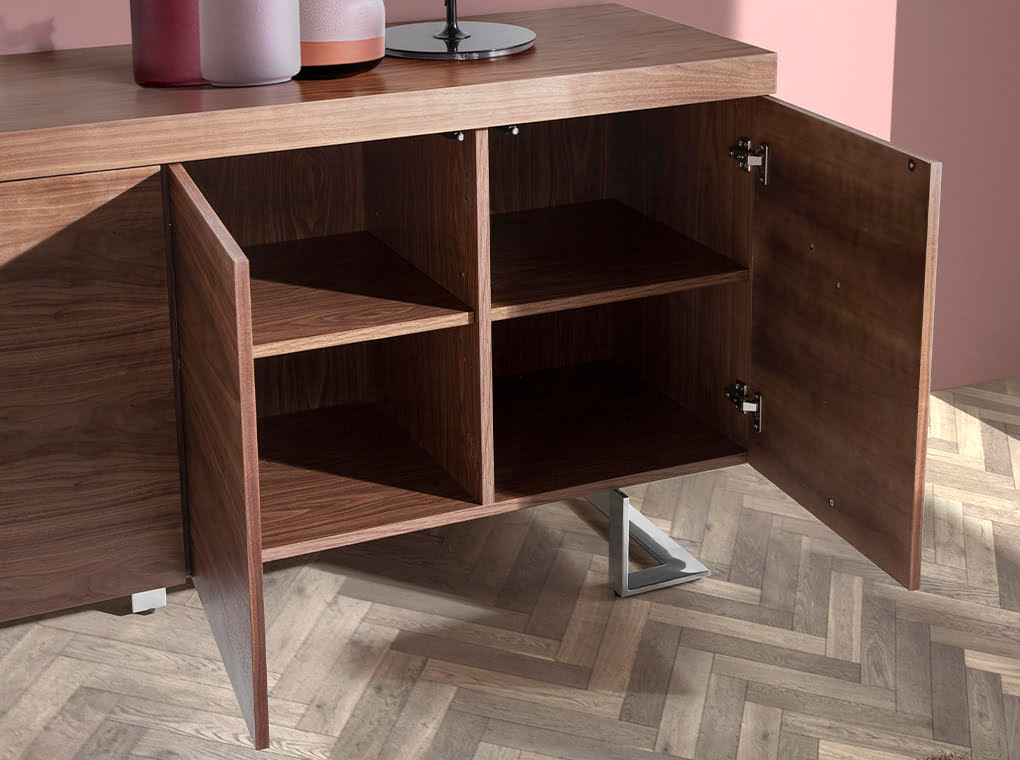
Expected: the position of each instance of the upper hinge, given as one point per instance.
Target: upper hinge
(747, 158)
(746, 403)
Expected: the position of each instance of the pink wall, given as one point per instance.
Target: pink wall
(953, 99)
(892, 71)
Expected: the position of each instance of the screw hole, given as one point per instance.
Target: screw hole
(839, 285)
(832, 503)
(810, 246)
(911, 164)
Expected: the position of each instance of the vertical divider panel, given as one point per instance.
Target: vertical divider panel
(220, 440)
(428, 199)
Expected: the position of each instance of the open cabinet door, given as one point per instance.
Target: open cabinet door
(220, 441)
(843, 273)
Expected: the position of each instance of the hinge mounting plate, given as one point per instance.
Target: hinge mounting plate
(748, 158)
(746, 403)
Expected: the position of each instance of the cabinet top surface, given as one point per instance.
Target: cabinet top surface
(588, 59)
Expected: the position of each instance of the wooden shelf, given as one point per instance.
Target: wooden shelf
(566, 257)
(595, 425)
(328, 291)
(345, 474)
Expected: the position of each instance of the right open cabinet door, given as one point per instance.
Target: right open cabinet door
(844, 247)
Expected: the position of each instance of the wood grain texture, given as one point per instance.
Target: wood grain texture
(620, 431)
(428, 199)
(315, 379)
(581, 255)
(549, 163)
(221, 450)
(90, 504)
(354, 632)
(672, 165)
(843, 278)
(266, 198)
(107, 122)
(336, 476)
(322, 292)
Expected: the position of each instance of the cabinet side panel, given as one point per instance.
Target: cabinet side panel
(674, 166)
(218, 394)
(90, 503)
(843, 288)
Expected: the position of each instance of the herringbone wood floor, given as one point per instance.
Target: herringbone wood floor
(500, 639)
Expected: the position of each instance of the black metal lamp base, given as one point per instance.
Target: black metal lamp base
(457, 42)
(470, 40)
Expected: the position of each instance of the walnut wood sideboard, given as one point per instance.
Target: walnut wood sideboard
(243, 325)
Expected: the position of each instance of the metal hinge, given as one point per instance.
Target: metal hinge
(749, 159)
(738, 396)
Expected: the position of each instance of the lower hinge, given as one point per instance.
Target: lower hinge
(746, 403)
(748, 158)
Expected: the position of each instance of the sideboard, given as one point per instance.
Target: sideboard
(244, 325)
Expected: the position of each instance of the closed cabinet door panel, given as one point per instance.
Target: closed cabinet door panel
(90, 504)
(843, 285)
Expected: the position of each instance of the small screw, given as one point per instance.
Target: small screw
(839, 285)
(810, 246)
(832, 502)
(455, 136)
(513, 130)
(911, 164)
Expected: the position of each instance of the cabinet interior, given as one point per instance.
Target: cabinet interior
(441, 327)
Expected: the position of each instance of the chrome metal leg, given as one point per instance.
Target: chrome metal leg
(145, 602)
(625, 522)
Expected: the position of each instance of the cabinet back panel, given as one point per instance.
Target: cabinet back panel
(549, 164)
(292, 195)
(673, 165)
(90, 504)
(551, 341)
(314, 380)
(690, 346)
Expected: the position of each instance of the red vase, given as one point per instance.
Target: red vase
(165, 42)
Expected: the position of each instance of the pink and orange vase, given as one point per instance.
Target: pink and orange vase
(341, 37)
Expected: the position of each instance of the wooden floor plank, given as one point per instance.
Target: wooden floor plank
(683, 711)
(1007, 560)
(779, 586)
(797, 747)
(650, 675)
(845, 711)
(950, 717)
(987, 716)
(719, 735)
(759, 732)
(512, 686)
(913, 668)
(846, 601)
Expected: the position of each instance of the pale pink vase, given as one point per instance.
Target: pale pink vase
(250, 42)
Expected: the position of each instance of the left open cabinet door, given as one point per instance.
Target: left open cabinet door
(843, 286)
(220, 440)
